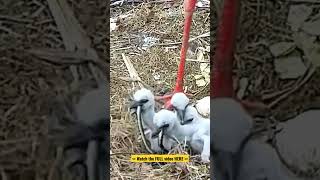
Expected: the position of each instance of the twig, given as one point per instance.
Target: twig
(55, 164)
(119, 49)
(207, 34)
(121, 2)
(218, 6)
(36, 13)
(195, 60)
(132, 71)
(286, 31)
(24, 140)
(202, 89)
(10, 31)
(128, 79)
(272, 95)
(72, 33)
(15, 19)
(306, 1)
(80, 54)
(92, 158)
(10, 151)
(117, 154)
(302, 82)
(3, 174)
(167, 44)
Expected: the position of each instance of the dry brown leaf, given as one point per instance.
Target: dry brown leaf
(282, 48)
(297, 15)
(290, 67)
(309, 46)
(243, 85)
(312, 27)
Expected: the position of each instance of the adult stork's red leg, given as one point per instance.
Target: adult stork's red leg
(222, 64)
(189, 6)
(221, 68)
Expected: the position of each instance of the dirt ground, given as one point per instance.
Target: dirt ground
(39, 60)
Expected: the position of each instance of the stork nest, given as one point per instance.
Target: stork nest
(157, 67)
(261, 23)
(30, 82)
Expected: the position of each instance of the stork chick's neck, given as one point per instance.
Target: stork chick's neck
(147, 116)
(183, 132)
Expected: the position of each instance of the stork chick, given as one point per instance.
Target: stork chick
(296, 142)
(197, 144)
(93, 107)
(181, 102)
(92, 128)
(259, 160)
(237, 155)
(203, 106)
(145, 99)
(194, 134)
(232, 126)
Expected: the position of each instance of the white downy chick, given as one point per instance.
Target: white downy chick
(260, 161)
(188, 114)
(203, 106)
(180, 102)
(93, 115)
(201, 139)
(192, 116)
(257, 160)
(232, 125)
(298, 141)
(231, 129)
(93, 107)
(167, 122)
(299, 150)
(145, 98)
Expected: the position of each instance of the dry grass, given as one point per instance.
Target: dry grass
(264, 23)
(29, 83)
(261, 24)
(150, 20)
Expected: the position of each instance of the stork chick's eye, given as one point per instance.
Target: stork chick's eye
(189, 120)
(164, 126)
(144, 100)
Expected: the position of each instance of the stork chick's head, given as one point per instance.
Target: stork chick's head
(232, 124)
(164, 121)
(144, 98)
(191, 113)
(180, 102)
(92, 107)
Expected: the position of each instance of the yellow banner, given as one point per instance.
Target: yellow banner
(139, 158)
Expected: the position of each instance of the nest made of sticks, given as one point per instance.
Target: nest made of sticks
(156, 69)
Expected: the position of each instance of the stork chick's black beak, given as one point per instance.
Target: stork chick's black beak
(186, 121)
(160, 142)
(181, 114)
(135, 104)
(156, 134)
